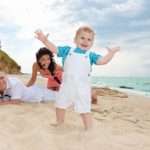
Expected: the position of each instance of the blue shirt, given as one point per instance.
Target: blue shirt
(64, 51)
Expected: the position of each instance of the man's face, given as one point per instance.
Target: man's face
(84, 40)
(2, 83)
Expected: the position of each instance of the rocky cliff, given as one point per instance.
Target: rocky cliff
(7, 64)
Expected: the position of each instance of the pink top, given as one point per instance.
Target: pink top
(53, 83)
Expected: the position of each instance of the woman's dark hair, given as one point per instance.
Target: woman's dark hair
(44, 51)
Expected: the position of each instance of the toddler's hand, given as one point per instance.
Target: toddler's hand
(113, 49)
(40, 35)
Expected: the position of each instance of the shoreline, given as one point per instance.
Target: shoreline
(133, 85)
(134, 92)
(127, 91)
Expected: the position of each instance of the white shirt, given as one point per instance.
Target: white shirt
(17, 90)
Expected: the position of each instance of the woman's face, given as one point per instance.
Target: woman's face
(45, 61)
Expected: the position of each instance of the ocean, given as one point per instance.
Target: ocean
(139, 85)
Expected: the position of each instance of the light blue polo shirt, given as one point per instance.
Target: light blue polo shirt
(64, 51)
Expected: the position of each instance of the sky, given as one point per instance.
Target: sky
(124, 23)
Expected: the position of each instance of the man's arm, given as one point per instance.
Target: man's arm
(111, 52)
(12, 101)
(44, 39)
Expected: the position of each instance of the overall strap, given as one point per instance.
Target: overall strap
(87, 54)
(71, 50)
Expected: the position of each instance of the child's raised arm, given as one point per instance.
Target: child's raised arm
(104, 60)
(44, 39)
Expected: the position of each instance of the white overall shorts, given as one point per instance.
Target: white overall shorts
(76, 89)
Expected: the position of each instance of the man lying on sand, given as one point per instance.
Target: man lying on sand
(13, 91)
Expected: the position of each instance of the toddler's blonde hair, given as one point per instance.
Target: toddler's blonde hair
(85, 29)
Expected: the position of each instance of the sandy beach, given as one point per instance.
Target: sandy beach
(121, 122)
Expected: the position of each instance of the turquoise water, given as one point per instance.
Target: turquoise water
(141, 84)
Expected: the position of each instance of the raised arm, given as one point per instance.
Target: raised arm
(34, 75)
(44, 39)
(111, 52)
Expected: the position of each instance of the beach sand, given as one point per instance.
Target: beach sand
(119, 124)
